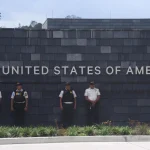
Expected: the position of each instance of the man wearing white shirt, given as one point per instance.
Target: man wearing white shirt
(67, 105)
(92, 96)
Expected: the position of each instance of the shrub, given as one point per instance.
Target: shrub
(14, 132)
(72, 131)
(89, 130)
(141, 130)
(4, 132)
(34, 133)
(105, 130)
(121, 131)
(52, 131)
(25, 132)
(61, 132)
(42, 131)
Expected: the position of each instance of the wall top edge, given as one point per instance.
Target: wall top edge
(75, 29)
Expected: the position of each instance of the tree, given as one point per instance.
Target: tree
(25, 27)
(33, 25)
(38, 26)
(72, 17)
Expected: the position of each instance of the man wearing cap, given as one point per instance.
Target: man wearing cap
(67, 105)
(92, 96)
(19, 104)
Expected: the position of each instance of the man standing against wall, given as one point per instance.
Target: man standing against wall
(67, 105)
(92, 96)
(19, 104)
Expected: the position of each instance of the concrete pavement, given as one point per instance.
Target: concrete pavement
(71, 139)
(79, 146)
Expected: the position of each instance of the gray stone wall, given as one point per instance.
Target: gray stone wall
(61, 23)
(122, 96)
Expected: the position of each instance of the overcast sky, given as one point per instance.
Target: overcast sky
(23, 11)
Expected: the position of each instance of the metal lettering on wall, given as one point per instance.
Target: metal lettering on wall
(88, 70)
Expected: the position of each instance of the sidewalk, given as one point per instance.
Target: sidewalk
(81, 145)
(70, 139)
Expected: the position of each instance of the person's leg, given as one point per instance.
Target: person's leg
(16, 117)
(70, 114)
(89, 114)
(92, 115)
(96, 113)
(67, 115)
(64, 116)
(21, 117)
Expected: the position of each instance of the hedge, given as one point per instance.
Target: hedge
(40, 131)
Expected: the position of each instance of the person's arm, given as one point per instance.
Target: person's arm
(26, 103)
(75, 103)
(60, 96)
(0, 97)
(98, 96)
(75, 99)
(86, 98)
(61, 107)
(12, 101)
(26, 100)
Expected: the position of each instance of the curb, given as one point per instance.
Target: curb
(69, 139)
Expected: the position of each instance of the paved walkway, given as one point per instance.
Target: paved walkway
(81, 146)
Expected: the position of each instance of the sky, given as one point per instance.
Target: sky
(15, 12)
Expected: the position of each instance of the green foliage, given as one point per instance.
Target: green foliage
(41, 131)
(34, 132)
(141, 130)
(89, 130)
(13, 132)
(46, 131)
(33, 25)
(72, 17)
(4, 132)
(98, 130)
(73, 131)
(121, 130)
(25, 132)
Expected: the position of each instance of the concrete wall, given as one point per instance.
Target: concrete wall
(122, 96)
(61, 23)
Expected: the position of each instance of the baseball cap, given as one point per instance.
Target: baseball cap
(67, 83)
(92, 83)
(18, 84)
